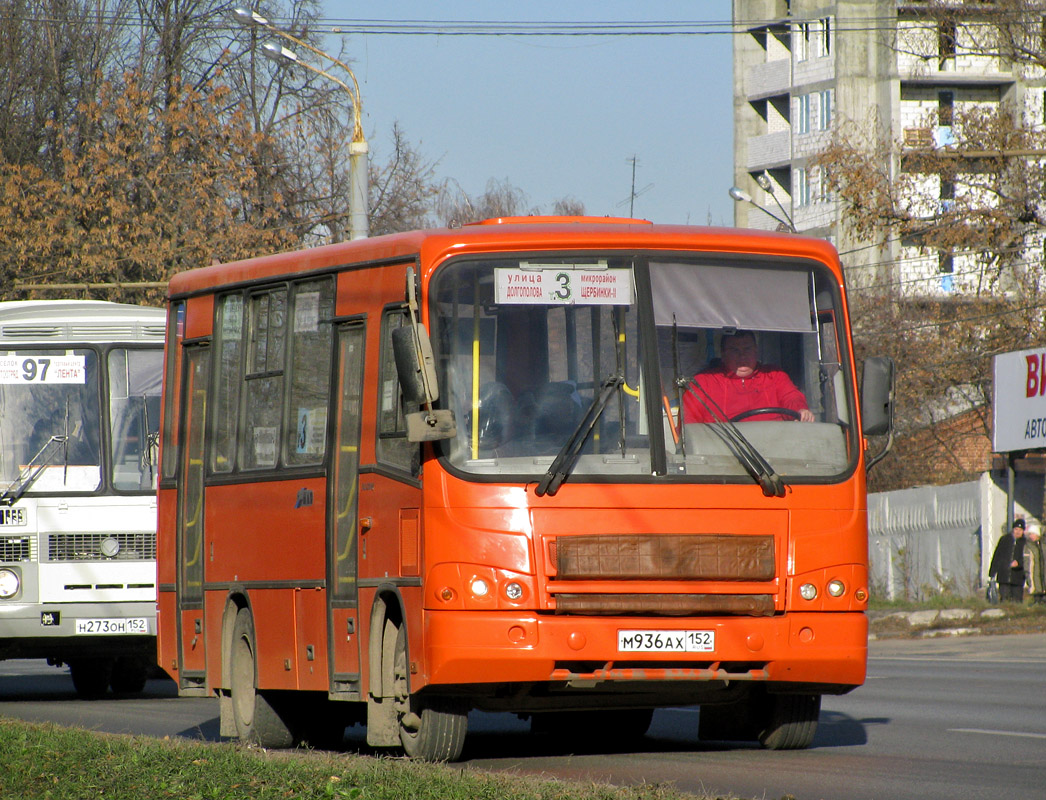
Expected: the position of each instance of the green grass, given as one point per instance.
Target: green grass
(47, 762)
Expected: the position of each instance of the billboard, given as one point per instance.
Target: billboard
(1019, 400)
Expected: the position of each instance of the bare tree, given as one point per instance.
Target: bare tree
(128, 206)
(55, 53)
(973, 209)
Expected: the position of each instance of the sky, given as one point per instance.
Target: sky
(557, 116)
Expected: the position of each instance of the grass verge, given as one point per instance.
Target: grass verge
(885, 620)
(47, 762)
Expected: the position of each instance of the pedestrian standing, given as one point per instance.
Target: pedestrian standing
(1036, 565)
(1008, 564)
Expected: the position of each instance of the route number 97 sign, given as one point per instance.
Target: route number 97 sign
(43, 369)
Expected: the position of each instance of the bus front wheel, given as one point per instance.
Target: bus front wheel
(129, 675)
(91, 676)
(431, 729)
(257, 721)
(791, 721)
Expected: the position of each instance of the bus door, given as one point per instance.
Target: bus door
(190, 531)
(343, 527)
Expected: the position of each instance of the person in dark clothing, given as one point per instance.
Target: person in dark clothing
(1008, 564)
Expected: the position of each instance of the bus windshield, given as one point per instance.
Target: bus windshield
(528, 346)
(51, 428)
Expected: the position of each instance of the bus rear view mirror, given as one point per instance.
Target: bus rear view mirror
(416, 369)
(417, 376)
(410, 365)
(877, 396)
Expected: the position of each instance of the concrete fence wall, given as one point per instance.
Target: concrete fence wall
(936, 539)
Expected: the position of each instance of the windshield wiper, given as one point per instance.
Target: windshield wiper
(564, 461)
(744, 451)
(30, 472)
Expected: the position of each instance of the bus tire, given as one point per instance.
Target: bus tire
(91, 676)
(129, 675)
(255, 718)
(791, 721)
(431, 729)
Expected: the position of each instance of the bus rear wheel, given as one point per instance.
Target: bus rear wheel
(431, 729)
(256, 719)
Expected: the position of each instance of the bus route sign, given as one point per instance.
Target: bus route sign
(563, 284)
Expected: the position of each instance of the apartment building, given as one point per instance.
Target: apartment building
(802, 68)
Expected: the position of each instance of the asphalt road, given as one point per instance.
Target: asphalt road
(940, 718)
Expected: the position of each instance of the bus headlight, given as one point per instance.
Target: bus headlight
(479, 587)
(808, 591)
(836, 588)
(9, 583)
(513, 591)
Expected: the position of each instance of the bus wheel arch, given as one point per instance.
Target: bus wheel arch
(426, 727)
(387, 608)
(233, 604)
(254, 713)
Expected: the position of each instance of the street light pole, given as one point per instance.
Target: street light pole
(359, 180)
(741, 196)
(767, 186)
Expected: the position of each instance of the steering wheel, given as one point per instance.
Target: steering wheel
(752, 412)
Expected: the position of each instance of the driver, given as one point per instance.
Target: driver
(740, 383)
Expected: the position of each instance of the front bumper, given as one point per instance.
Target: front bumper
(803, 649)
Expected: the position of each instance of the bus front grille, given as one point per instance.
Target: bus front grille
(16, 548)
(101, 546)
(667, 605)
(664, 556)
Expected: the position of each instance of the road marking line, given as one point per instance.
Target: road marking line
(998, 733)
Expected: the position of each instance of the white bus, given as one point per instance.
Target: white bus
(79, 411)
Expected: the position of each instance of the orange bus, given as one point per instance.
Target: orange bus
(410, 476)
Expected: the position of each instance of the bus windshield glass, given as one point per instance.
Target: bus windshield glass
(527, 346)
(51, 428)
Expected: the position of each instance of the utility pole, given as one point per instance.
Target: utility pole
(633, 194)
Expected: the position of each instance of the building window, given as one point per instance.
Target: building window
(821, 192)
(824, 118)
(801, 41)
(801, 192)
(945, 108)
(803, 114)
(946, 33)
(824, 37)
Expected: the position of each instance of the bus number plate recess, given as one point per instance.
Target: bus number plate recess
(665, 641)
(136, 625)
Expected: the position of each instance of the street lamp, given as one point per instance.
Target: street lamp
(741, 196)
(359, 225)
(767, 186)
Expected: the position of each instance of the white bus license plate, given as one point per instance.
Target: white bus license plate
(112, 626)
(665, 641)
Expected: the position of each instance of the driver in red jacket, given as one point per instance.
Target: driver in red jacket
(740, 383)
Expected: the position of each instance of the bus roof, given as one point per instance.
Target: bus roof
(23, 321)
(504, 234)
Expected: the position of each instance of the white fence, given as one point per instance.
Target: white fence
(936, 539)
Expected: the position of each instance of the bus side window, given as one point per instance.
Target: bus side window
(308, 373)
(262, 403)
(392, 447)
(228, 382)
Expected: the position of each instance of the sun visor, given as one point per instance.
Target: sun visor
(746, 298)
